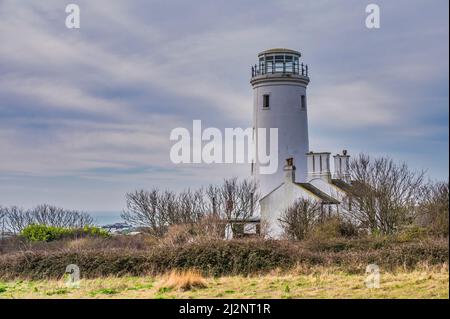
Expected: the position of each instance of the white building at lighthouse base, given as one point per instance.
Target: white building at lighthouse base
(331, 192)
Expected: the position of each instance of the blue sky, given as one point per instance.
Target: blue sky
(85, 115)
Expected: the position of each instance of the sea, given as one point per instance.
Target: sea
(106, 218)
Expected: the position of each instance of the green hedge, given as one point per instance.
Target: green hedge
(47, 233)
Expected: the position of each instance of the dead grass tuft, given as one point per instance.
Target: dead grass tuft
(184, 280)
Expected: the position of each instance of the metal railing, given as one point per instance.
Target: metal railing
(273, 68)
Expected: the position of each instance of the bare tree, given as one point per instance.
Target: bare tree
(157, 210)
(385, 193)
(55, 216)
(234, 202)
(143, 210)
(235, 199)
(299, 219)
(16, 219)
(433, 211)
(191, 207)
(2, 221)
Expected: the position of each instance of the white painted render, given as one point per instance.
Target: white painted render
(274, 204)
(318, 166)
(342, 166)
(286, 114)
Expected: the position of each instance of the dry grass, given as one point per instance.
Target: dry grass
(422, 283)
(184, 280)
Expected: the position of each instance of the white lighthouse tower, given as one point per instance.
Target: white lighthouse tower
(279, 82)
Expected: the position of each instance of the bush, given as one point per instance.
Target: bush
(433, 209)
(299, 219)
(49, 233)
(412, 232)
(334, 227)
(43, 232)
(219, 258)
(90, 231)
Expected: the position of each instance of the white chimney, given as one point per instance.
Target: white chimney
(342, 166)
(318, 166)
(289, 171)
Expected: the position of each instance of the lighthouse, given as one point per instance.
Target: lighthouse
(279, 82)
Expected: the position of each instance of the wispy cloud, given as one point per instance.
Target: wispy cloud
(85, 115)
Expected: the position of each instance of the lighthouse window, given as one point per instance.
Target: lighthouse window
(269, 64)
(266, 101)
(288, 63)
(303, 102)
(296, 65)
(279, 63)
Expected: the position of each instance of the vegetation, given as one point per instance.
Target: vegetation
(433, 209)
(183, 280)
(299, 220)
(49, 233)
(16, 219)
(385, 194)
(317, 282)
(157, 211)
(394, 219)
(124, 256)
(305, 220)
(43, 232)
(384, 198)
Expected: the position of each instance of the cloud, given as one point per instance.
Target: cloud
(86, 114)
(354, 105)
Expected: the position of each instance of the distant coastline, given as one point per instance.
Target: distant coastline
(105, 218)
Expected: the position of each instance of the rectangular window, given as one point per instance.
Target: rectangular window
(279, 63)
(266, 101)
(303, 102)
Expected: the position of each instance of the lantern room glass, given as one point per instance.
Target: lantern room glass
(279, 63)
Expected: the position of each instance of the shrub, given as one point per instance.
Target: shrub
(43, 232)
(300, 218)
(411, 233)
(433, 209)
(219, 258)
(384, 193)
(90, 231)
(178, 234)
(333, 227)
(49, 233)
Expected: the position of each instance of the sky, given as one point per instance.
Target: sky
(86, 114)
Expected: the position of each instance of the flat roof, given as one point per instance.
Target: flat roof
(280, 50)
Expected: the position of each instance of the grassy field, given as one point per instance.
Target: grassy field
(320, 283)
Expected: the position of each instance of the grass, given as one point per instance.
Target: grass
(316, 283)
(184, 280)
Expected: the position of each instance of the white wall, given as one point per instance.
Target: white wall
(286, 114)
(273, 205)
